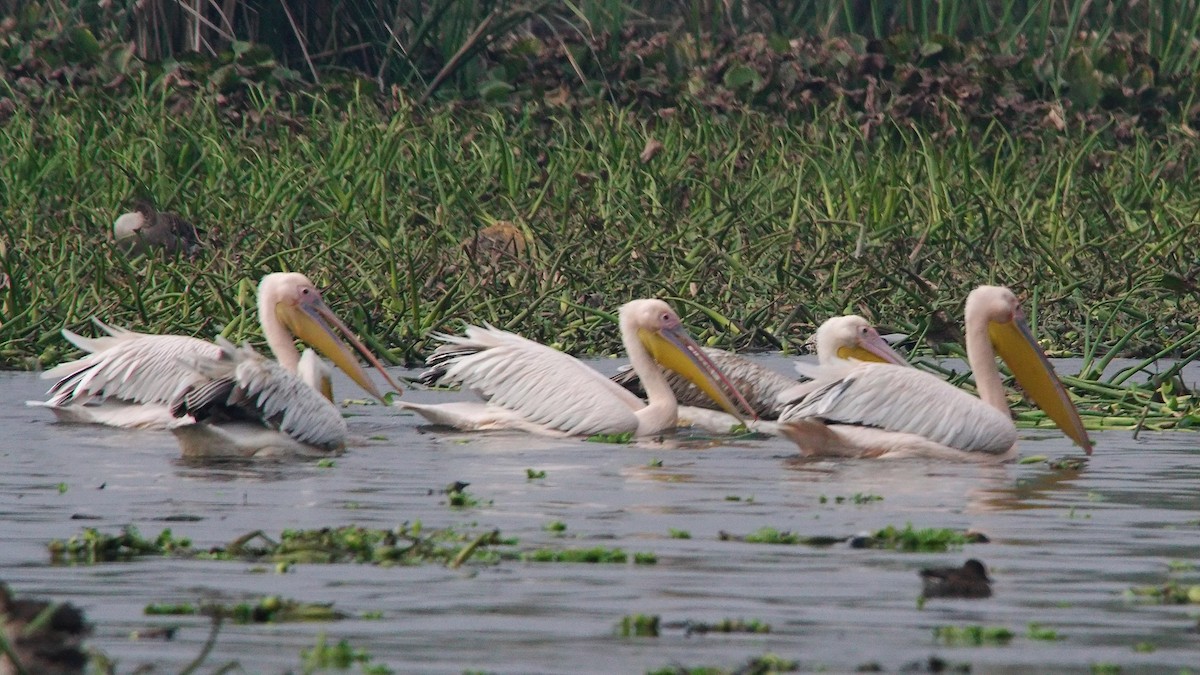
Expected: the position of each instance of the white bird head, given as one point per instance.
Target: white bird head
(1014, 342)
(853, 337)
(295, 301)
(660, 331)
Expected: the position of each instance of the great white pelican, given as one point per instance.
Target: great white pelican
(249, 407)
(130, 379)
(531, 387)
(837, 339)
(880, 410)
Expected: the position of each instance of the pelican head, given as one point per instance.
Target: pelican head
(1013, 341)
(295, 303)
(852, 337)
(660, 331)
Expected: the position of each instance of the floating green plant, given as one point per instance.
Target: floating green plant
(1169, 593)
(534, 474)
(1037, 631)
(406, 544)
(621, 438)
(598, 554)
(270, 609)
(638, 625)
(975, 635)
(722, 626)
(930, 539)
(341, 656)
(759, 665)
(856, 498)
(92, 546)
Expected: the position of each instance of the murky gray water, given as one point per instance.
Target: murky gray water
(1065, 545)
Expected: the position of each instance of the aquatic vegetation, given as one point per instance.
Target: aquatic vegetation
(458, 497)
(598, 554)
(406, 544)
(759, 665)
(722, 626)
(638, 625)
(621, 438)
(533, 474)
(856, 498)
(972, 636)
(1169, 593)
(770, 535)
(930, 539)
(1037, 631)
(678, 534)
(341, 656)
(92, 546)
(269, 609)
(556, 526)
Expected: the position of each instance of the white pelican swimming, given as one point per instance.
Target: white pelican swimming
(880, 410)
(534, 388)
(838, 339)
(247, 406)
(130, 379)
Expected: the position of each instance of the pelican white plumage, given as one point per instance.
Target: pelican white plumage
(880, 410)
(838, 339)
(249, 407)
(130, 379)
(531, 387)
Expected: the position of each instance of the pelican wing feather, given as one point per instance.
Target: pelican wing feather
(542, 385)
(241, 384)
(899, 399)
(126, 365)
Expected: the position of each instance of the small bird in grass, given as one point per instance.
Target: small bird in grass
(45, 637)
(146, 228)
(969, 581)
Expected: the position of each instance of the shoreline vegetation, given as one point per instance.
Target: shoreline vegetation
(536, 165)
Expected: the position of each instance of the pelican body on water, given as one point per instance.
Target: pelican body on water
(531, 387)
(881, 410)
(139, 380)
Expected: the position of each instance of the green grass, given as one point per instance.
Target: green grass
(756, 227)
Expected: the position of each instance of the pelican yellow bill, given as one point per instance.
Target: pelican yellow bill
(1015, 344)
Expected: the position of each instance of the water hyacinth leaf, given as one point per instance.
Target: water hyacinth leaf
(1083, 79)
(81, 46)
(743, 78)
